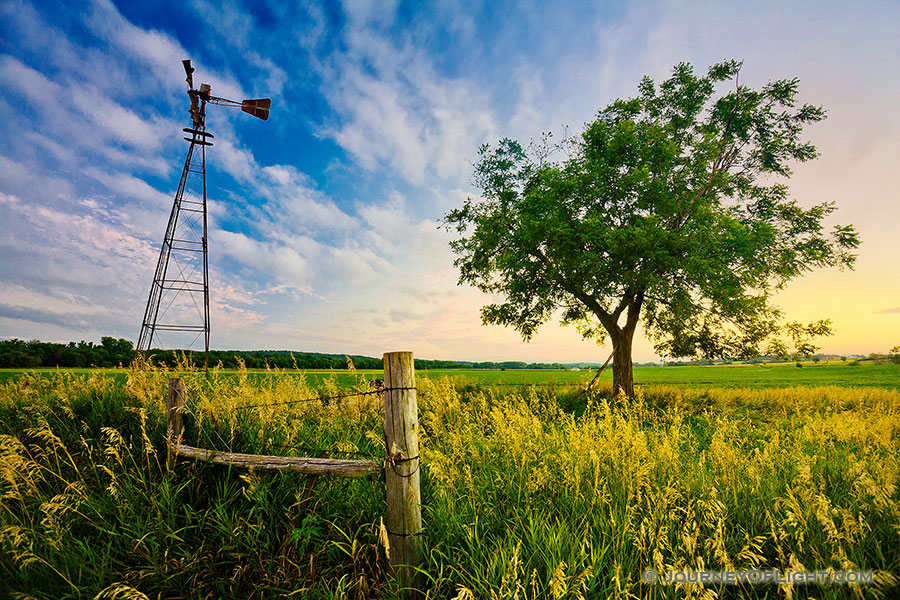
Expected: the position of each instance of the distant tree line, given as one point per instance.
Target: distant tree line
(497, 365)
(875, 357)
(112, 352)
(284, 359)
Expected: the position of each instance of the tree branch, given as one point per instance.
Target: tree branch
(720, 164)
(597, 376)
(605, 318)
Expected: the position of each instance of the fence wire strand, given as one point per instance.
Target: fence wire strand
(302, 400)
(185, 399)
(320, 451)
(323, 398)
(393, 462)
(396, 461)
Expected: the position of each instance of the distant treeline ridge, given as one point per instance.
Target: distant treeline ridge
(113, 352)
(29, 355)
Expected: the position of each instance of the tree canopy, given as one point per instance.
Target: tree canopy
(110, 352)
(670, 208)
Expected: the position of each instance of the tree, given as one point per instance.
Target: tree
(895, 355)
(670, 208)
(801, 337)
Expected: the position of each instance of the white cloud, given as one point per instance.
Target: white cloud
(122, 124)
(366, 13)
(293, 194)
(112, 130)
(231, 22)
(227, 19)
(130, 189)
(61, 152)
(155, 50)
(58, 303)
(396, 110)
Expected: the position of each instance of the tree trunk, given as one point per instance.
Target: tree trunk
(623, 376)
(622, 337)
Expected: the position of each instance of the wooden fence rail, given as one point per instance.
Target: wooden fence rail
(403, 518)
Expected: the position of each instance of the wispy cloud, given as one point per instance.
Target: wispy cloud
(395, 110)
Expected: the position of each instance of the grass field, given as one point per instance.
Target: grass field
(531, 492)
(870, 374)
(753, 376)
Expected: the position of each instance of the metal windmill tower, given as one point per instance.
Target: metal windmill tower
(179, 295)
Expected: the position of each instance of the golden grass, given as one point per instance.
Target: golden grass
(802, 478)
(522, 499)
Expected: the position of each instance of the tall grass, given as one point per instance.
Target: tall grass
(90, 509)
(527, 493)
(529, 501)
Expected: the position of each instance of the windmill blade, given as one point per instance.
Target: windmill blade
(259, 108)
(189, 70)
(196, 115)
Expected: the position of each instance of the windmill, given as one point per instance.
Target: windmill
(179, 295)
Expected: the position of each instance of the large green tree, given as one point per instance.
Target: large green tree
(670, 209)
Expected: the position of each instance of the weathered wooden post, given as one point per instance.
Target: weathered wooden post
(404, 506)
(174, 412)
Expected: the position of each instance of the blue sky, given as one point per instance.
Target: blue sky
(324, 220)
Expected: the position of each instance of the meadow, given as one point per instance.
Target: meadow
(531, 491)
(866, 374)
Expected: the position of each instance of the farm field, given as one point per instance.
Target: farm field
(528, 492)
(754, 376)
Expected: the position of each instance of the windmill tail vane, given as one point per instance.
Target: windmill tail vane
(178, 303)
(258, 108)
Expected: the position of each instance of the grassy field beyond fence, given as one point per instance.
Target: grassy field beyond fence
(528, 492)
(865, 374)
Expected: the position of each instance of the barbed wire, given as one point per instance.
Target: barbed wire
(523, 384)
(378, 390)
(323, 398)
(546, 385)
(382, 390)
(298, 447)
(186, 399)
(315, 450)
(396, 461)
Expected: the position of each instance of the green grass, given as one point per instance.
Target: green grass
(88, 503)
(867, 373)
(528, 497)
(528, 492)
(752, 376)
(777, 375)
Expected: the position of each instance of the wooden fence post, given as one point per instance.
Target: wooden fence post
(174, 412)
(404, 506)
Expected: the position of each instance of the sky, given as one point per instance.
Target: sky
(324, 224)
